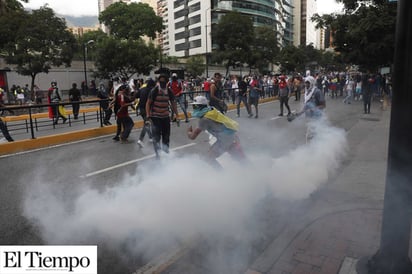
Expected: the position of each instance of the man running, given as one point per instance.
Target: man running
(220, 126)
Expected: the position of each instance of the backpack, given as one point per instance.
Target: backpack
(217, 116)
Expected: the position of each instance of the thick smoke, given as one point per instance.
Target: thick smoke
(156, 208)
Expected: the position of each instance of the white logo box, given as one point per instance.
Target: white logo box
(33, 259)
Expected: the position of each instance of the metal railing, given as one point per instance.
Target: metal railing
(31, 118)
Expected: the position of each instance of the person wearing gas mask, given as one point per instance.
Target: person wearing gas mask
(158, 113)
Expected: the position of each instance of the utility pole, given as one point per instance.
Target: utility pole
(393, 254)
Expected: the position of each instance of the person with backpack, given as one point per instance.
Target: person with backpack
(177, 88)
(220, 126)
(54, 98)
(158, 114)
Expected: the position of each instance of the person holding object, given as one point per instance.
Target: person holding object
(158, 113)
(313, 107)
(220, 126)
(55, 97)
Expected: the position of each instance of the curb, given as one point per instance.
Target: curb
(61, 138)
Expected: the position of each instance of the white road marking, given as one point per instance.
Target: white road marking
(278, 117)
(130, 162)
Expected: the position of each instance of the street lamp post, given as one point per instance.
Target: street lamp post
(84, 63)
(206, 40)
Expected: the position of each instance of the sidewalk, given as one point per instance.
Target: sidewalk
(64, 134)
(342, 222)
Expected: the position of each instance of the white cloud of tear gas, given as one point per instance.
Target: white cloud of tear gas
(183, 198)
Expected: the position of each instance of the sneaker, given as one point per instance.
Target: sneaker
(237, 115)
(108, 122)
(64, 120)
(116, 138)
(281, 114)
(150, 140)
(140, 143)
(187, 120)
(250, 115)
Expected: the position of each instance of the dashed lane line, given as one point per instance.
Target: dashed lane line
(130, 162)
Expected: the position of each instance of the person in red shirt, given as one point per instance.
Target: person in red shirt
(124, 101)
(177, 88)
(206, 88)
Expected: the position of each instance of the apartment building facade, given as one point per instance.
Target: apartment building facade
(189, 23)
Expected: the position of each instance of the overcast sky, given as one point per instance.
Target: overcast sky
(89, 7)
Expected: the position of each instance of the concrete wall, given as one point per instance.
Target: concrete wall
(64, 76)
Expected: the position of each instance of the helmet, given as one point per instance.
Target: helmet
(53, 84)
(200, 100)
(174, 74)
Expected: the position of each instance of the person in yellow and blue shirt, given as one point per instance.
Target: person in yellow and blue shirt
(220, 126)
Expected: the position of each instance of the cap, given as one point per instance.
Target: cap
(200, 100)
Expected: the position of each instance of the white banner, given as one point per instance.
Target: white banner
(16, 259)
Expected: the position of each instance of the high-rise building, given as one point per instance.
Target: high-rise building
(304, 28)
(188, 23)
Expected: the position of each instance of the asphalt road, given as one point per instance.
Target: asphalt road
(44, 193)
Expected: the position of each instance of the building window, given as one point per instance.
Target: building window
(181, 46)
(181, 24)
(181, 13)
(178, 3)
(195, 31)
(195, 44)
(194, 7)
(195, 19)
(181, 35)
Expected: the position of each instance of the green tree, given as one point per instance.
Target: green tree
(265, 49)
(97, 36)
(291, 59)
(41, 40)
(298, 59)
(7, 6)
(364, 34)
(131, 21)
(124, 57)
(233, 35)
(195, 66)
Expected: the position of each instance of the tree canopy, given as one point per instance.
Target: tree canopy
(131, 21)
(7, 6)
(233, 35)
(38, 41)
(124, 57)
(264, 48)
(364, 34)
